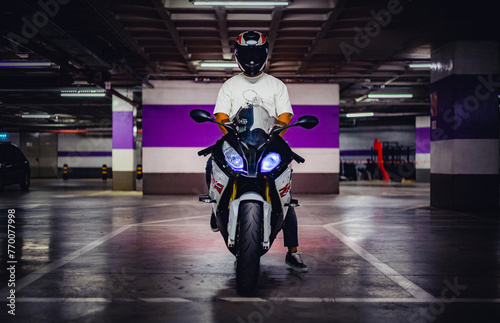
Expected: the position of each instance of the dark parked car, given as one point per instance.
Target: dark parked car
(14, 167)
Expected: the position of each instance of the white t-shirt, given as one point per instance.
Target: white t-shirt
(240, 89)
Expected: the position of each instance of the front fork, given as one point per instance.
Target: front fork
(234, 207)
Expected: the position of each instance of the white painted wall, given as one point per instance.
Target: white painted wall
(84, 143)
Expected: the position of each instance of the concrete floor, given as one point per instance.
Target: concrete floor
(376, 253)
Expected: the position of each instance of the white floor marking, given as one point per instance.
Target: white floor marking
(166, 300)
(177, 219)
(247, 300)
(307, 299)
(350, 220)
(410, 208)
(28, 279)
(393, 275)
(242, 299)
(374, 215)
(37, 274)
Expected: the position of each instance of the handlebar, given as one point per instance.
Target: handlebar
(207, 151)
(297, 158)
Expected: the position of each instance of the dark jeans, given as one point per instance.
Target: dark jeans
(208, 172)
(290, 231)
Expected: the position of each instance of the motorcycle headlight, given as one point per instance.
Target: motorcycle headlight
(270, 162)
(233, 159)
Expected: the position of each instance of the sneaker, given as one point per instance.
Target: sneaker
(213, 223)
(294, 260)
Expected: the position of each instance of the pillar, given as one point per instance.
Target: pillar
(171, 139)
(320, 145)
(123, 160)
(423, 148)
(464, 126)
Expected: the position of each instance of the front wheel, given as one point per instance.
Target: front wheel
(25, 183)
(250, 247)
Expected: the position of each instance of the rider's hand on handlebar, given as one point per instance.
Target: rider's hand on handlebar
(222, 118)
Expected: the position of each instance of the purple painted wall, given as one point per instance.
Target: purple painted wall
(423, 140)
(465, 108)
(171, 126)
(84, 154)
(123, 135)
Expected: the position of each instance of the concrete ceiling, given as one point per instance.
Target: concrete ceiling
(365, 46)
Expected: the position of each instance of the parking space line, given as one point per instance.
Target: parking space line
(37, 274)
(250, 300)
(242, 299)
(390, 273)
(173, 220)
(166, 300)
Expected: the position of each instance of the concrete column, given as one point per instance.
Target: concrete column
(123, 161)
(464, 126)
(423, 148)
(171, 139)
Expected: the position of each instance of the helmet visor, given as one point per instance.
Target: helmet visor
(251, 56)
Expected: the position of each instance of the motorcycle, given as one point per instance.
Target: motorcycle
(250, 188)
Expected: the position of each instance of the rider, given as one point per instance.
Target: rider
(251, 51)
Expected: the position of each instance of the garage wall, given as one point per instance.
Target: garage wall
(12, 137)
(84, 154)
(355, 143)
(423, 148)
(171, 139)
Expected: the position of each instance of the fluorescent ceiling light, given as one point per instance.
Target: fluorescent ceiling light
(359, 114)
(219, 64)
(390, 96)
(25, 64)
(83, 93)
(361, 98)
(35, 116)
(241, 3)
(420, 65)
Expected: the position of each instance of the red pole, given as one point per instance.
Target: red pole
(377, 145)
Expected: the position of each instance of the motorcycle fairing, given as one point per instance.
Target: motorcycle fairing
(284, 188)
(218, 185)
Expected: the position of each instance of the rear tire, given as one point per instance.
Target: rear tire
(250, 247)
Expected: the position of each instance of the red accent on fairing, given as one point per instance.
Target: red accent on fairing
(218, 186)
(240, 37)
(263, 38)
(286, 189)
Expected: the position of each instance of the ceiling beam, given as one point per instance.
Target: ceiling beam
(325, 28)
(118, 28)
(220, 13)
(273, 29)
(169, 24)
(73, 43)
(32, 47)
(64, 63)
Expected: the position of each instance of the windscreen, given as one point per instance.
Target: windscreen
(253, 123)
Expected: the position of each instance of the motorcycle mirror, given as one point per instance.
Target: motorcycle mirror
(307, 122)
(200, 116)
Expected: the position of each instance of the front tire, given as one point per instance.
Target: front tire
(250, 247)
(25, 184)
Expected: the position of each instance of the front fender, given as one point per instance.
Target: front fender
(234, 208)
